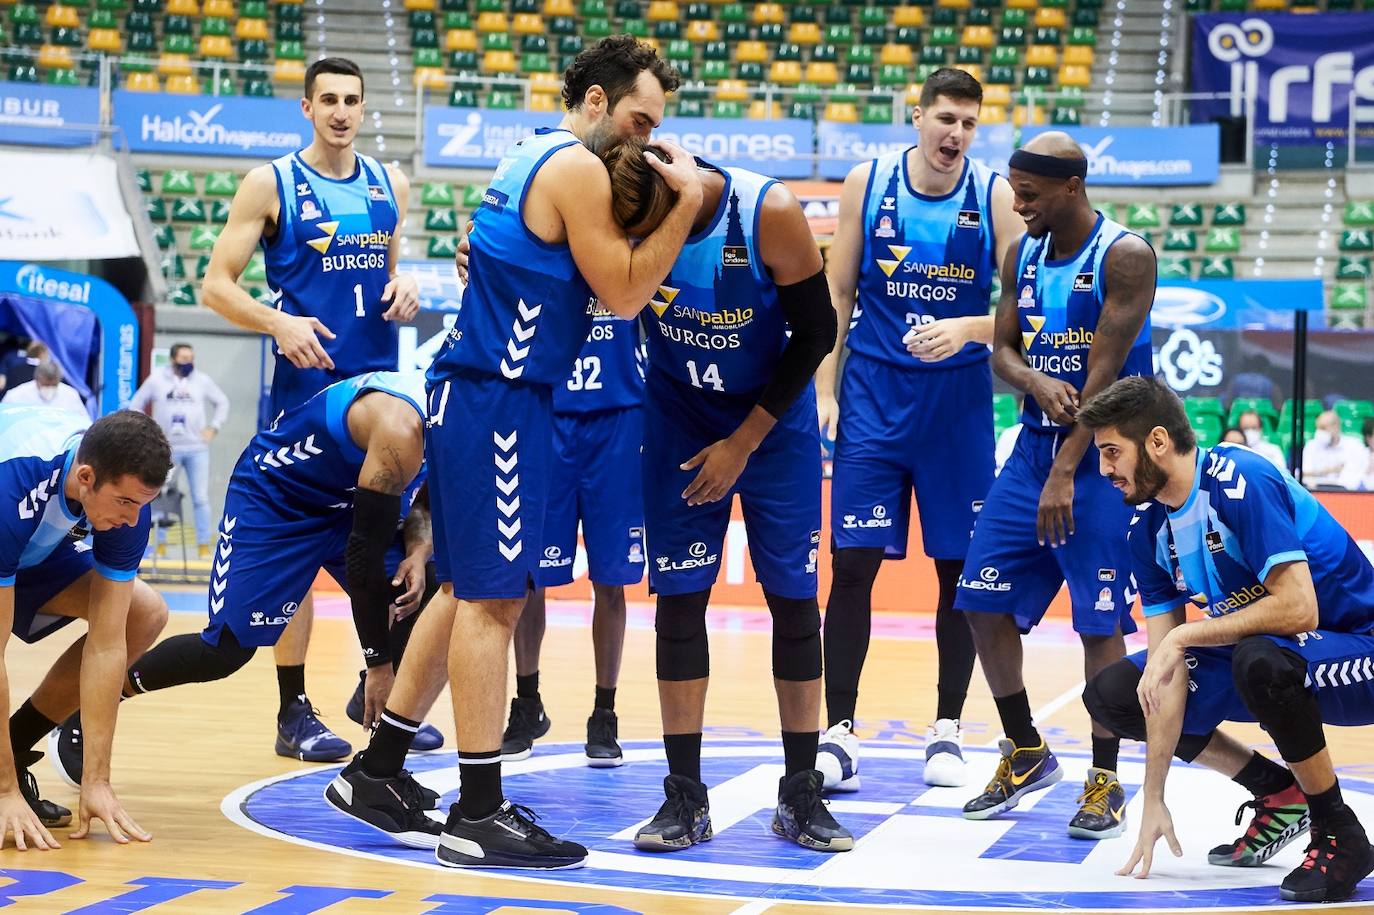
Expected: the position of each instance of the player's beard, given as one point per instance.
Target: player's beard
(1149, 479)
(601, 136)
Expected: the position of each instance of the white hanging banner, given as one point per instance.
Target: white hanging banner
(62, 206)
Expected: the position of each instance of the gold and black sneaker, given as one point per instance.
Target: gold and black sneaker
(1021, 771)
(1102, 807)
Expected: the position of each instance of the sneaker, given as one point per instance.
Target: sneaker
(1102, 807)
(301, 735)
(507, 838)
(1021, 771)
(395, 805)
(1279, 819)
(944, 766)
(1338, 858)
(682, 821)
(49, 814)
(603, 752)
(527, 724)
(67, 750)
(802, 816)
(837, 758)
(427, 738)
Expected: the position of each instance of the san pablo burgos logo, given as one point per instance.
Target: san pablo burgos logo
(1101, 163)
(198, 128)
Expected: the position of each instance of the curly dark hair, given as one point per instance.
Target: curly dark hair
(126, 442)
(614, 64)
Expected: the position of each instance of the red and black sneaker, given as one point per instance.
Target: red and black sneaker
(1338, 858)
(1279, 819)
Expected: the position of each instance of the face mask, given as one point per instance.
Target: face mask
(184, 369)
(1333, 437)
(1252, 437)
(46, 393)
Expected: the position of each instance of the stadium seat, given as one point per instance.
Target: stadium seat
(1217, 268)
(1066, 117)
(502, 100)
(785, 72)
(1142, 216)
(1357, 240)
(1206, 427)
(1204, 406)
(1359, 213)
(896, 55)
(1269, 417)
(1175, 268)
(1223, 240)
(183, 84)
(156, 208)
(203, 238)
(1348, 296)
(178, 181)
(1180, 240)
(258, 88)
(442, 246)
(841, 112)
(183, 294)
(438, 194)
(1228, 214)
(1185, 214)
(256, 271)
(219, 212)
(440, 220)
(1353, 268)
(1004, 414)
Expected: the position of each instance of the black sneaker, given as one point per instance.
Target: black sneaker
(426, 738)
(1338, 858)
(1102, 807)
(603, 752)
(507, 838)
(395, 805)
(67, 751)
(801, 815)
(527, 724)
(682, 821)
(49, 814)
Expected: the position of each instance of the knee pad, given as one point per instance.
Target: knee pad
(1111, 700)
(682, 647)
(796, 637)
(855, 566)
(1271, 680)
(188, 659)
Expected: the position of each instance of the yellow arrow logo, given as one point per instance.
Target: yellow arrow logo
(668, 293)
(322, 244)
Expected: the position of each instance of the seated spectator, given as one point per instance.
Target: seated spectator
(47, 390)
(19, 367)
(1232, 436)
(1332, 459)
(1365, 479)
(1252, 428)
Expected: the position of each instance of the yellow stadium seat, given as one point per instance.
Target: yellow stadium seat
(1042, 55)
(430, 78)
(290, 2)
(183, 84)
(492, 21)
(785, 72)
(978, 36)
(1269, 6)
(956, 4)
(652, 42)
(909, 16)
(221, 9)
(174, 64)
(822, 73)
(996, 95)
(1021, 118)
(415, 5)
(143, 82)
(913, 94)
(1048, 17)
(528, 24)
(992, 114)
(543, 103)
(844, 112)
(183, 8)
(899, 54)
(765, 13)
(55, 57)
(460, 40)
(217, 46)
(289, 72)
(546, 83)
(251, 28)
(105, 40)
(974, 70)
(1079, 54)
(807, 33)
(732, 90)
(700, 30)
(498, 62)
(1022, 4)
(761, 110)
(751, 52)
(559, 8)
(59, 15)
(663, 11)
(1074, 75)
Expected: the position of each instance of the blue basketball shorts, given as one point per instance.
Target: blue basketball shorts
(489, 445)
(1340, 671)
(36, 585)
(596, 481)
(900, 429)
(1007, 571)
(779, 490)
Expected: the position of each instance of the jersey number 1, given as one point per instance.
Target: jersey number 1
(358, 302)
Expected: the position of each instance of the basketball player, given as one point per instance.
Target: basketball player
(326, 218)
(1289, 602)
(325, 486)
(598, 429)
(920, 235)
(62, 480)
(544, 243)
(1073, 317)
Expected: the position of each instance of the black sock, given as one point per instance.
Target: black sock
(799, 750)
(527, 686)
(1262, 776)
(684, 754)
(479, 793)
(386, 751)
(1325, 806)
(28, 726)
(1014, 710)
(605, 698)
(848, 621)
(1105, 751)
(290, 685)
(953, 644)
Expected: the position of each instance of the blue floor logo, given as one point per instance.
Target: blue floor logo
(914, 847)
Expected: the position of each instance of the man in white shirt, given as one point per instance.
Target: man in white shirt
(1332, 459)
(47, 390)
(1252, 427)
(178, 396)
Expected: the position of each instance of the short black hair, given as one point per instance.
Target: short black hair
(126, 442)
(1133, 406)
(176, 348)
(340, 65)
(953, 82)
(614, 64)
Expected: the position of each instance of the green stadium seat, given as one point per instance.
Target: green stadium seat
(156, 208)
(295, 50)
(1011, 36)
(442, 246)
(750, 72)
(1353, 268)
(103, 19)
(678, 49)
(1180, 240)
(188, 209)
(663, 31)
(825, 53)
(1175, 268)
(1005, 56)
(252, 49)
(1217, 268)
(690, 108)
(877, 113)
(1037, 76)
(419, 19)
(1142, 216)
(173, 266)
(145, 180)
(1186, 214)
(1204, 406)
(534, 63)
(457, 19)
(427, 57)
(1062, 117)
(968, 55)
(713, 71)
(176, 25)
(179, 44)
(805, 111)
(1223, 240)
(593, 8)
(923, 72)
(1359, 213)
(440, 220)
(165, 236)
(859, 73)
(872, 15)
(183, 294)
(802, 13)
(203, 238)
(569, 44)
(1228, 214)
(931, 54)
(1015, 18)
(496, 41)
(502, 100)
(250, 9)
(213, 25)
(289, 11)
(727, 109)
(837, 14)
(202, 266)
(63, 76)
(439, 194)
(873, 35)
(219, 211)
(629, 9)
(1004, 411)
(734, 32)
(839, 34)
(787, 51)
(1357, 240)
(1207, 428)
(258, 88)
(419, 38)
(178, 181)
(770, 32)
(944, 36)
(1349, 296)
(1085, 19)
(698, 12)
(462, 98)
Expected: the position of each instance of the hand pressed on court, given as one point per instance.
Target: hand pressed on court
(721, 464)
(1155, 822)
(376, 690)
(403, 292)
(1054, 517)
(938, 340)
(98, 802)
(410, 575)
(1057, 399)
(297, 339)
(18, 819)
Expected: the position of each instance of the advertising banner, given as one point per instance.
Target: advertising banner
(62, 206)
(32, 114)
(1138, 156)
(203, 125)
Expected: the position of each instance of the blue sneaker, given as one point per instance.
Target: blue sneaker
(301, 735)
(427, 738)
(1021, 771)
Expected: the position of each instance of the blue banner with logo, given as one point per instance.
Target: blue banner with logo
(204, 125)
(1137, 156)
(37, 115)
(1301, 69)
(841, 146)
(1237, 304)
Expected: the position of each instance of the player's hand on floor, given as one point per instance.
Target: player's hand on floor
(938, 340)
(18, 819)
(460, 258)
(298, 339)
(410, 577)
(1155, 823)
(828, 412)
(1054, 517)
(98, 802)
(403, 292)
(721, 464)
(376, 690)
(1057, 399)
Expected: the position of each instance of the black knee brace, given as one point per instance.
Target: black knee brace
(1271, 680)
(796, 637)
(188, 659)
(1111, 701)
(683, 651)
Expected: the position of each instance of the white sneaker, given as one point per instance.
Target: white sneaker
(944, 754)
(837, 758)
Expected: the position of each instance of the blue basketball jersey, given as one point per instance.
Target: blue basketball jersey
(38, 447)
(1059, 303)
(609, 372)
(525, 311)
(924, 258)
(715, 323)
(328, 260)
(1243, 517)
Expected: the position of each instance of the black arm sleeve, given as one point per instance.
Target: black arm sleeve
(806, 305)
(375, 515)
